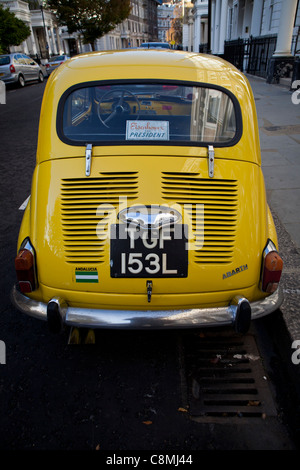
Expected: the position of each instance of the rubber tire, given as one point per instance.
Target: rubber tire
(41, 77)
(21, 81)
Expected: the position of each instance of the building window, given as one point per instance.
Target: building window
(230, 17)
(271, 14)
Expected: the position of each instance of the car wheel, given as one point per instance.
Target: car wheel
(41, 77)
(21, 81)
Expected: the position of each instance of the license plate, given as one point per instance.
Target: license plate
(147, 254)
(1, 74)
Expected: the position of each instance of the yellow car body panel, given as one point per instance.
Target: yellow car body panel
(70, 215)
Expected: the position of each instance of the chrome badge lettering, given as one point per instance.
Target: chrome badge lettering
(235, 271)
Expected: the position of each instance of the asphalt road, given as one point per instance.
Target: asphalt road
(128, 392)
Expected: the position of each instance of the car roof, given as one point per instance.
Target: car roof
(149, 58)
(152, 63)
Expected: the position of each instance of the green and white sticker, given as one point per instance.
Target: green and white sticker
(86, 275)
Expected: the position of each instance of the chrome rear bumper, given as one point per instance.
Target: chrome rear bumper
(144, 319)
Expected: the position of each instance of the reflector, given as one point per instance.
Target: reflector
(272, 270)
(25, 270)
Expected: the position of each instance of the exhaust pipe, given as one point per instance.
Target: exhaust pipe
(56, 312)
(241, 314)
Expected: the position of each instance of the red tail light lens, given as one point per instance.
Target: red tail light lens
(47, 66)
(12, 68)
(272, 269)
(25, 269)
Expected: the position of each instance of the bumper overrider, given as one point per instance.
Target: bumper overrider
(238, 314)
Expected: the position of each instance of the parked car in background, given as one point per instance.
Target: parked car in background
(150, 45)
(19, 68)
(55, 62)
(148, 206)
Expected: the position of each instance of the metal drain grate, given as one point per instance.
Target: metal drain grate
(225, 378)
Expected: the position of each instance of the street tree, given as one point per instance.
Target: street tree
(91, 18)
(13, 31)
(177, 30)
(174, 34)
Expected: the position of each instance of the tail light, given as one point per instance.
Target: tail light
(25, 265)
(12, 68)
(271, 268)
(47, 66)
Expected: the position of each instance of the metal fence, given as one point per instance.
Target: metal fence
(261, 50)
(204, 48)
(251, 55)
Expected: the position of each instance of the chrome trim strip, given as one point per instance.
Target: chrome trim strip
(26, 305)
(270, 246)
(88, 159)
(146, 319)
(211, 161)
(150, 217)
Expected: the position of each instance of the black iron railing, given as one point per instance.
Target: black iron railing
(261, 50)
(252, 54)
(203, 48)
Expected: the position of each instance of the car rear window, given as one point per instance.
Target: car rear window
(149, 113)
(164, 45)
(5, 60)
(57, 58)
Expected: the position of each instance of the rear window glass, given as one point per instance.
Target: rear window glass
(5, 60)
(153, 113)
(164, 45)
(57, 58)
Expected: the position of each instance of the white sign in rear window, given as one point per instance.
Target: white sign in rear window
(147, 130)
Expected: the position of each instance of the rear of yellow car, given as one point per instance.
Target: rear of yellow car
(148, 205)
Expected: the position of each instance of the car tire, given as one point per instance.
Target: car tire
(41, 77)
(21, 81)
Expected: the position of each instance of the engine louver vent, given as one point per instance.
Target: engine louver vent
(215, 226)
(86, 203)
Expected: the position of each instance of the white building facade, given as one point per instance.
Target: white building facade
(268, 30)
(258, 36)
(44, 39)
(255, 17)
(195, 25)
(165, 15)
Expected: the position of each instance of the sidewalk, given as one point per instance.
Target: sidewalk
(279, 130)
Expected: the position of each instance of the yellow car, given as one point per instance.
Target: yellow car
(148, 206)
